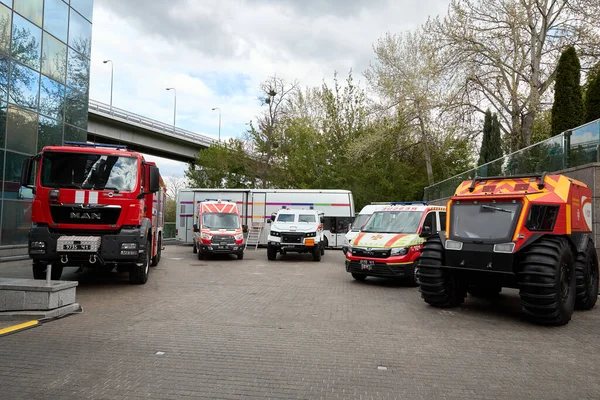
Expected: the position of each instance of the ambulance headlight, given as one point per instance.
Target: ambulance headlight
(399, 251)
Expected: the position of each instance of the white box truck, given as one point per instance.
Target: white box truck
(257, 205)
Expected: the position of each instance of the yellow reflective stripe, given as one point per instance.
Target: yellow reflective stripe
(568, 219)
(15, 328)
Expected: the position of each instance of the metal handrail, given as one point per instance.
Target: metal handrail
(148, 123)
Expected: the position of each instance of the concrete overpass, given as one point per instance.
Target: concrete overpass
(118, 126)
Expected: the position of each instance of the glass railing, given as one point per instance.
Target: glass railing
(568, 149)
(169, 231)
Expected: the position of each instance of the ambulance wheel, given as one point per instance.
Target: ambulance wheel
(200, 255)
(359, 277)
(195, 249)
(240, 256)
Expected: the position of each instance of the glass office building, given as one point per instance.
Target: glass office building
(44, 77)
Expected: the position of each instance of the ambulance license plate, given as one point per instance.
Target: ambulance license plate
(367, 264)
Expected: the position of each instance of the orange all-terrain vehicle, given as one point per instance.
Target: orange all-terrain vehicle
(533, 233)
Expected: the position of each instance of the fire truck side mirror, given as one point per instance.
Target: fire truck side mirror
(26, 172)
(154, 179)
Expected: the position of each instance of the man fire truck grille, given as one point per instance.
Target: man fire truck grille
(292, 238)
(77, 215)
(374, 253)
(227, 239)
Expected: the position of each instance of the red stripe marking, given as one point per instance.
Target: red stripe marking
(393, 239)
(359, 237)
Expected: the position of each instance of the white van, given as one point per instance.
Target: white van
(359, 221)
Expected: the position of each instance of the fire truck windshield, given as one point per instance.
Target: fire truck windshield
(228, 221)
(89, 171)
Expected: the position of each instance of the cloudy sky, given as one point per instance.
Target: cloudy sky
(216, 53)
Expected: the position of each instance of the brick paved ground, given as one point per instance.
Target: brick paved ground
(245, 329)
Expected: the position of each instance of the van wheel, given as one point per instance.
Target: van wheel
(240, 256)
(195, 249)
(359, 277)
(271, 253)
(200, 255)
(323, 245)
(316, 253)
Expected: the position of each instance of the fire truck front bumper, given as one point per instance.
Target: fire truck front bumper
(78, 247)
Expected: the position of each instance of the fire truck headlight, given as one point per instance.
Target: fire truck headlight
(37, 247)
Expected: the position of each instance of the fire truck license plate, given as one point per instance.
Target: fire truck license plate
(77, 247)
(367, 264)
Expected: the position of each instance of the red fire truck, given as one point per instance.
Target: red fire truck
(94, 205)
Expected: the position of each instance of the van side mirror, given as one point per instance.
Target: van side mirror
(268, 220)
(425, 232)
(322, 219)
(245, 228)
(195, 228)
(273, 216)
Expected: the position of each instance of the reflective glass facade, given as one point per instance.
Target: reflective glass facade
(45, 48)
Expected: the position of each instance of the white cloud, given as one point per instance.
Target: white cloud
(217, 52)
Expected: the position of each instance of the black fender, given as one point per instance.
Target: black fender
(145, 230)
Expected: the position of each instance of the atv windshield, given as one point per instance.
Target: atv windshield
(393, 222)
(359, 221)
(484, 221)
(89, 171)
(216, 221)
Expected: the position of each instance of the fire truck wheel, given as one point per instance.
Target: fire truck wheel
(437, 287)
(156, 258)
(39, 271)
(271, 253)
(316, 253)
(586, 269)
(547, 282)
(240, 256)
(195, 250)
(359, 277)
(139, 271)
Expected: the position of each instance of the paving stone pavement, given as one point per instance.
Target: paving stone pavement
(291, 329)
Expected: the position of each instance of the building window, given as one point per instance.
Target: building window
(54, 58)
(4, 67)
(26, 42)
(73, 134)
(56, 15)
(80, 34)
(76, 109)
(84, 7)
(52, 98)
(78, 74)
(5, 20)
(50, 133)
(24, 86)
(3, 112)
(12, 177)
(22, 130)
(16, 221)
(30, 9)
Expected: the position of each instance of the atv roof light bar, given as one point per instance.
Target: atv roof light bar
(84, 144)
(541, 185)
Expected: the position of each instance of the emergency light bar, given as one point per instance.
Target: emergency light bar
(83, 144)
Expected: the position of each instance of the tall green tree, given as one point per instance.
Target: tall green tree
(487, 137)
(592, 95)
(567, 110)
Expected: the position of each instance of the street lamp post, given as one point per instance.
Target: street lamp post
(111, 80)
(217, 108)
(174, 107)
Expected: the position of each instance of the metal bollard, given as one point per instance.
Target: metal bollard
(48, 273)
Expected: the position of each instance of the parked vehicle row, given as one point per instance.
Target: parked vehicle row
(532, 233)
